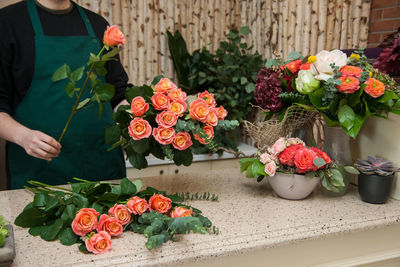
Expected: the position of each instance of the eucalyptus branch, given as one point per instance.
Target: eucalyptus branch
(237, 154)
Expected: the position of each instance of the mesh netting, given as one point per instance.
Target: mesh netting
(265, 133)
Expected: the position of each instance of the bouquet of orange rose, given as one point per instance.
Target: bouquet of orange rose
(91, 213)
(162, 120)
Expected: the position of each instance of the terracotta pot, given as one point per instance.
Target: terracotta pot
(292, 186)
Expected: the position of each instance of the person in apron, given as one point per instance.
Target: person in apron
(44, 110)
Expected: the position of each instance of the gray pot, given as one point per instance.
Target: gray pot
(292, 186)
(375, 189)
(7, 253)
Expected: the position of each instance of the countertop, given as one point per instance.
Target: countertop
(248, 215)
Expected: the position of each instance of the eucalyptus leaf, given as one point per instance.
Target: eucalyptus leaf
(319, 162)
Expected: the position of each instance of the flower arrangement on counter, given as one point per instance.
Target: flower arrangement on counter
(291, 155)
(344, 90)
(91, 213)
(164, 121)
(100, 92)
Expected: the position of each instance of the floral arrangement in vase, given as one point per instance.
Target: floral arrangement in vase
(344, 90)
(164, 121)
(292, 156)
(92, 213)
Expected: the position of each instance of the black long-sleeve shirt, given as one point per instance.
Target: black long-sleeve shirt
(17, 49)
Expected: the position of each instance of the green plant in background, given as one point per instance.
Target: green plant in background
(229, 74)
(3, 232)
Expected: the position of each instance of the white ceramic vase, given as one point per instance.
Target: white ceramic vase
(292, 186)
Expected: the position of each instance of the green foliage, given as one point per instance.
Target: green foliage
(3, 232)
(198, 196)
(253, 167)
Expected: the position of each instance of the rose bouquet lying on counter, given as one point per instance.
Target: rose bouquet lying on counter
(91, 213)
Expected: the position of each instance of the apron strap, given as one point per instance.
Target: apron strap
(86, 21)
(33, 13)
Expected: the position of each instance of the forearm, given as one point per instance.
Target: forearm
(11, 130)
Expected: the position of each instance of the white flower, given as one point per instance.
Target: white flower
(305, 82)
(270, 168)
(322, 69)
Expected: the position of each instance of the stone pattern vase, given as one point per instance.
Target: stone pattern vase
(292, 186)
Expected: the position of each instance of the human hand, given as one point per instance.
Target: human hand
(39, 145)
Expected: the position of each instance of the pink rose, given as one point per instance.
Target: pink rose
(164, 85)
(121, 213)
(265, 158)
(137, 205)
(111, 225)
(304, 160)
(160, 101)
(212, 117)
(113, 36)
(166, 119)
(177, 107)
(222, 113)
(177, 95)
(85, 221)
(139, 106)
(164, 135)
(99, 243)
(270, 168)
(182, 141)
(278, 146)
(139, 128)
(208, 97)
(160, 203)
(181, 212)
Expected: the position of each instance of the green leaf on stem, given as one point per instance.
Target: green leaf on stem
(245, 30)
(112, 134)
(77, 74)
(138, 184)
(184, 157)
(337, 178)
(138, 161)
(51, 231)
(346, 117)
(39, 200)
(257, 168)
(250, 87)
(68, 237)
(157, 79)
(319, 162)
(61, 73)
(351, 170)
(35, 231)
(51, 204)
(70, 89)
(358, 123)
(156, 240)
(294, 55)
(127, 187)
(140, 146)
(93, 59)
(83, 103)
(110, 55)
(271, 62)
(105, 91)
(245, 163)
(310, 175)
(80, 201)
(68, 215)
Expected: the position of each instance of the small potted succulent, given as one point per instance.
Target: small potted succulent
(375, 179)
(7, 248)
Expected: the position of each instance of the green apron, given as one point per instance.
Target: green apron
(46, 108)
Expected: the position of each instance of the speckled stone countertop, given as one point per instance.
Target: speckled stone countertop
(248, 215)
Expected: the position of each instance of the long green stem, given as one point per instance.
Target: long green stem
(39, 184)
(74, 108)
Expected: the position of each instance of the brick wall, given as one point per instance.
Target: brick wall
(384, 19)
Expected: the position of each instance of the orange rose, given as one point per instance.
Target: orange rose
(293, 66)
(85, 221)
(164, 85)
(121, 213)
(111, 225)
(182, 141)
(178, 107)
(166, 119)
(209, 131)
(177, 94)
(139, 129)
(160, 101)
(349, 85)
(160, 203)
(113, 36)
(137, 205)
(181, 212)
(351, 71)
(163, 135)
(139, 106)
(99, 243)
(212, 117)
(305, 66)
(198, 110)
(374, 87)
(222, 113)
(209, 98)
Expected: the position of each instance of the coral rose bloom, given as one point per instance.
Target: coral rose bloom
(286, 156)
(121, 213)
(304, 160)
(351, 71)
(198, 110)
(164, 85)
(177, 94)
(181, 212)
(349, 85)
(85, 221)
(139, 129)
(212, 117)
(111, 225)
(178, 107)
(305, 66)
(209, 131)
(208, 97)
(222, 113)
(99, 243)
(322, 155)
(113, 36)
(137, 205)
(163, 135)
(160, 203)
(160, 101)
(139, 106)
(293, 66)
(182, 141)
(374, 87)
(166, 119)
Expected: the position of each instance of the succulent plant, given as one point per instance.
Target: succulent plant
(375, 166)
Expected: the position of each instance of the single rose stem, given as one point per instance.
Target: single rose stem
(74, 108)
(39, 184)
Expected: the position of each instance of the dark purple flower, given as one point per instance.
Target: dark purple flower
(268, 89)
(389, 59)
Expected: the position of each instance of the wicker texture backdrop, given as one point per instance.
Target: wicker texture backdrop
(283, 26)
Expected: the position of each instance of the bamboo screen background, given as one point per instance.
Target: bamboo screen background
(306, 26)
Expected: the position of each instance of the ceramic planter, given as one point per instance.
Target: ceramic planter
(7, 253)
(374, 188)
(292, 186)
